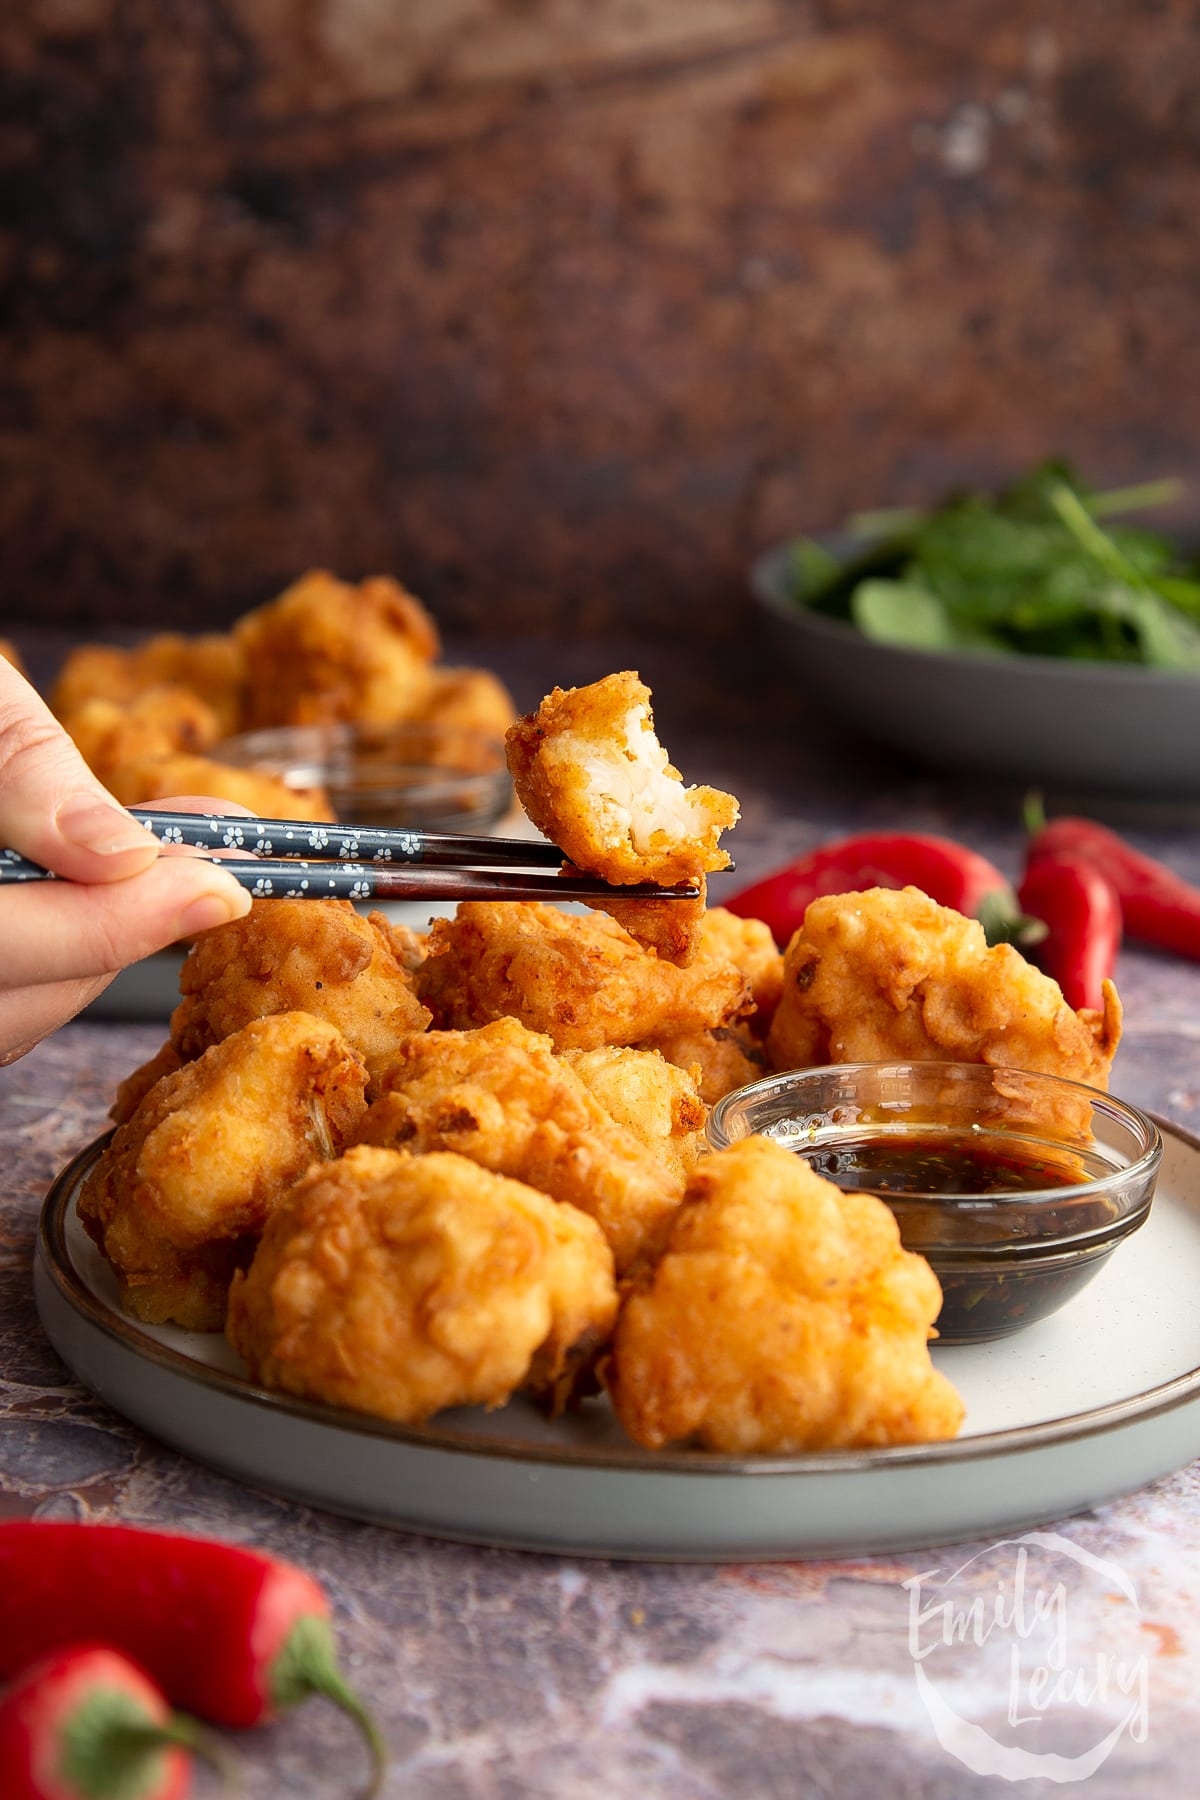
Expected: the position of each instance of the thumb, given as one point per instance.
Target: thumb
(52, 808)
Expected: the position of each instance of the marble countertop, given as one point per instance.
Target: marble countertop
(497, 1674)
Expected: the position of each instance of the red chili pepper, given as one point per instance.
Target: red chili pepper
(1158, 906)
(948, 872)
(228, 1633)
(86, 1724)
(1082, 913)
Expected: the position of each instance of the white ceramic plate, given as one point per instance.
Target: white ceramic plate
(1091, 1403)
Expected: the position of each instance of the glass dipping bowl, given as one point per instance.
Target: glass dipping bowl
(1015, 1187)
(432, 777)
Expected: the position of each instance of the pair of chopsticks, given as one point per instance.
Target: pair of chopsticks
(290, 860)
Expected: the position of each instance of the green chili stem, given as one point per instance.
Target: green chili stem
(307, 1664)
(108, 1742)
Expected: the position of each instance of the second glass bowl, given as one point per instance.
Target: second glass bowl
(1014, 1186)
(428, 777)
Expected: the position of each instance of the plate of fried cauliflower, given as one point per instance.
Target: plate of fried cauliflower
(424, 1224)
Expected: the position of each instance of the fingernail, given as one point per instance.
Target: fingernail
(213, 909)
(105, 830)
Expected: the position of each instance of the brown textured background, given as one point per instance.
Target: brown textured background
(559, 310)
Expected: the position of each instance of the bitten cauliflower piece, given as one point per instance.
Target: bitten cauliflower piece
(502, 1097)
(399, 1285)
(593, 777)
(889, 973)
(783, 1316)
(183, 1189)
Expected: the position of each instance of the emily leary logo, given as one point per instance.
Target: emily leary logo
(1032, 1622)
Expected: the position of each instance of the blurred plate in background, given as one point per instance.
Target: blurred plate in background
(1110, 728)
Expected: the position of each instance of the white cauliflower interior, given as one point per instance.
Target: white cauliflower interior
(590, 772)
(638, 798)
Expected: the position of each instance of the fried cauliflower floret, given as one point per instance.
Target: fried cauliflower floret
(784, 1316)
(155, 723)
(651, 1097)
(184, 1188)
(210, 664)
(133, 1090)
(467, 699)
(581, 980)
(720, 1060)
(669, 927)
(500, 1096)
(748, 943)
(316, 955)
(888, 974)
(325, 651)
(407, 945)
(593, 777)
(142, 780)
(595, 780)
(399, 1285)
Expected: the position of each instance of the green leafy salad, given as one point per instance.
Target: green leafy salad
(1036, 570)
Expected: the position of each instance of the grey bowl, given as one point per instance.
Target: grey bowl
(1110, 728)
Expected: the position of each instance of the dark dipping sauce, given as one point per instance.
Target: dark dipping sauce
(981, 1207)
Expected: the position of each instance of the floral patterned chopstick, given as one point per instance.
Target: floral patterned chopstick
(350, 843)
(291, 859)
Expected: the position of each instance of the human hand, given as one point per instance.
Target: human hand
(61, 943)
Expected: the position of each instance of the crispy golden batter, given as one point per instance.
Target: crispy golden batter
(500, 1096)
(155, 723)
(407, 945)
(784, 1316)
(185, 1186)
(671, 928)
(325, 651)
(209, 664)
(149, 778)
(652, 1098)
(133, 1090)
(748, 943)
(582, 980)
(399, 1285)
(591, 774)
(316, 955)
(719, 1060)
(890, 974)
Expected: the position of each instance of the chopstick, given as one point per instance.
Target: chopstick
(355, 843)
(405, 865)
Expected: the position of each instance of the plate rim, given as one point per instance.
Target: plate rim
(53, 1254)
